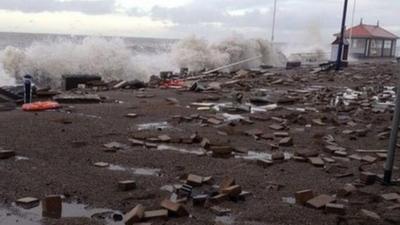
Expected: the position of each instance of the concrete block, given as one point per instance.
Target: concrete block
(135, 215)
(52, 206)
(126, 185)
(303, 196)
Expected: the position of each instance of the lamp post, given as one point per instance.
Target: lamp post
(387, 175)
(341, 38)
(273, 22)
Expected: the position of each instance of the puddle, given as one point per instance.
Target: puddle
(251, 155)
(227, 220)
(19, 216)
(136, 171)
(154, 126)
(198, 151)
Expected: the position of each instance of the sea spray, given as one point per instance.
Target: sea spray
(198, 54)
(113, 59)
(48, 61)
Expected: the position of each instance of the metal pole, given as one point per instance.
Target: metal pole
(387, 178)
(273, 23)
(352, 22)
(339, 56)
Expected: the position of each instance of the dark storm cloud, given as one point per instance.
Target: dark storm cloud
(84, 6)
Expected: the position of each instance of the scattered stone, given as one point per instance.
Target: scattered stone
(136, 142)
(154, 214)
(52, 206)
(217, 199)
(369, 159)
(28, 202)
(199, 200)
(367, 178)
(114, 146)
(205, 143)
(194, 180)
(334, 148)
(214, 121)
(303, 196)
(278, 156)
(286, 142)
(126, 185)
(131, 115)
(335, 208)
(226, 183)
(281, 134)
(232, 191)
(135, 215)
(164, 138)
(316, 161)
(346, 190)
(219, 211)
(264, 163)
(102, 164)
(6, 154)
(224, 151)
(355, 157)
(370, 214)
(276, 127)
(318, 122)
(174, 208)
(329, 160)
(320, 201)
(391, 196)
(254, 132)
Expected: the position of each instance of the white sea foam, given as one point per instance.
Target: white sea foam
(113, 59)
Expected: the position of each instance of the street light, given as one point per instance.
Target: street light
(273, 22)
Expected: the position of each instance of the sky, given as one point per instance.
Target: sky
(298, 21)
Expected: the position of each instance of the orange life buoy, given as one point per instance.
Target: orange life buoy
(40, 106)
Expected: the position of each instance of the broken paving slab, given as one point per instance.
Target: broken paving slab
(173, 208)
(6, 154)
(156, 214)
(316, 161)
(131, 115)
(77, 98)
(370, 214)
(52, 206)
(135, 215)
(303, 196)
(320, 201)
(338, 209)
(127, 185)
(28, 202)
(101, 164)
(391, 196)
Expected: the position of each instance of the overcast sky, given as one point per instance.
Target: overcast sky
(297, 20)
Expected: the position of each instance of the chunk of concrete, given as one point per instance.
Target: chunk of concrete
(175, 209)
(320, 201)
(28, 202)
(232, 191)
(316, 161)
(194, 180)
(52, 206)
(126, 185)
(162, 213)
(370, 214)
(6, 154)
(135, 215)
(335, 208)
(303, 196)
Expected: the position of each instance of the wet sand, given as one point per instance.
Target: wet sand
(61, 147)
